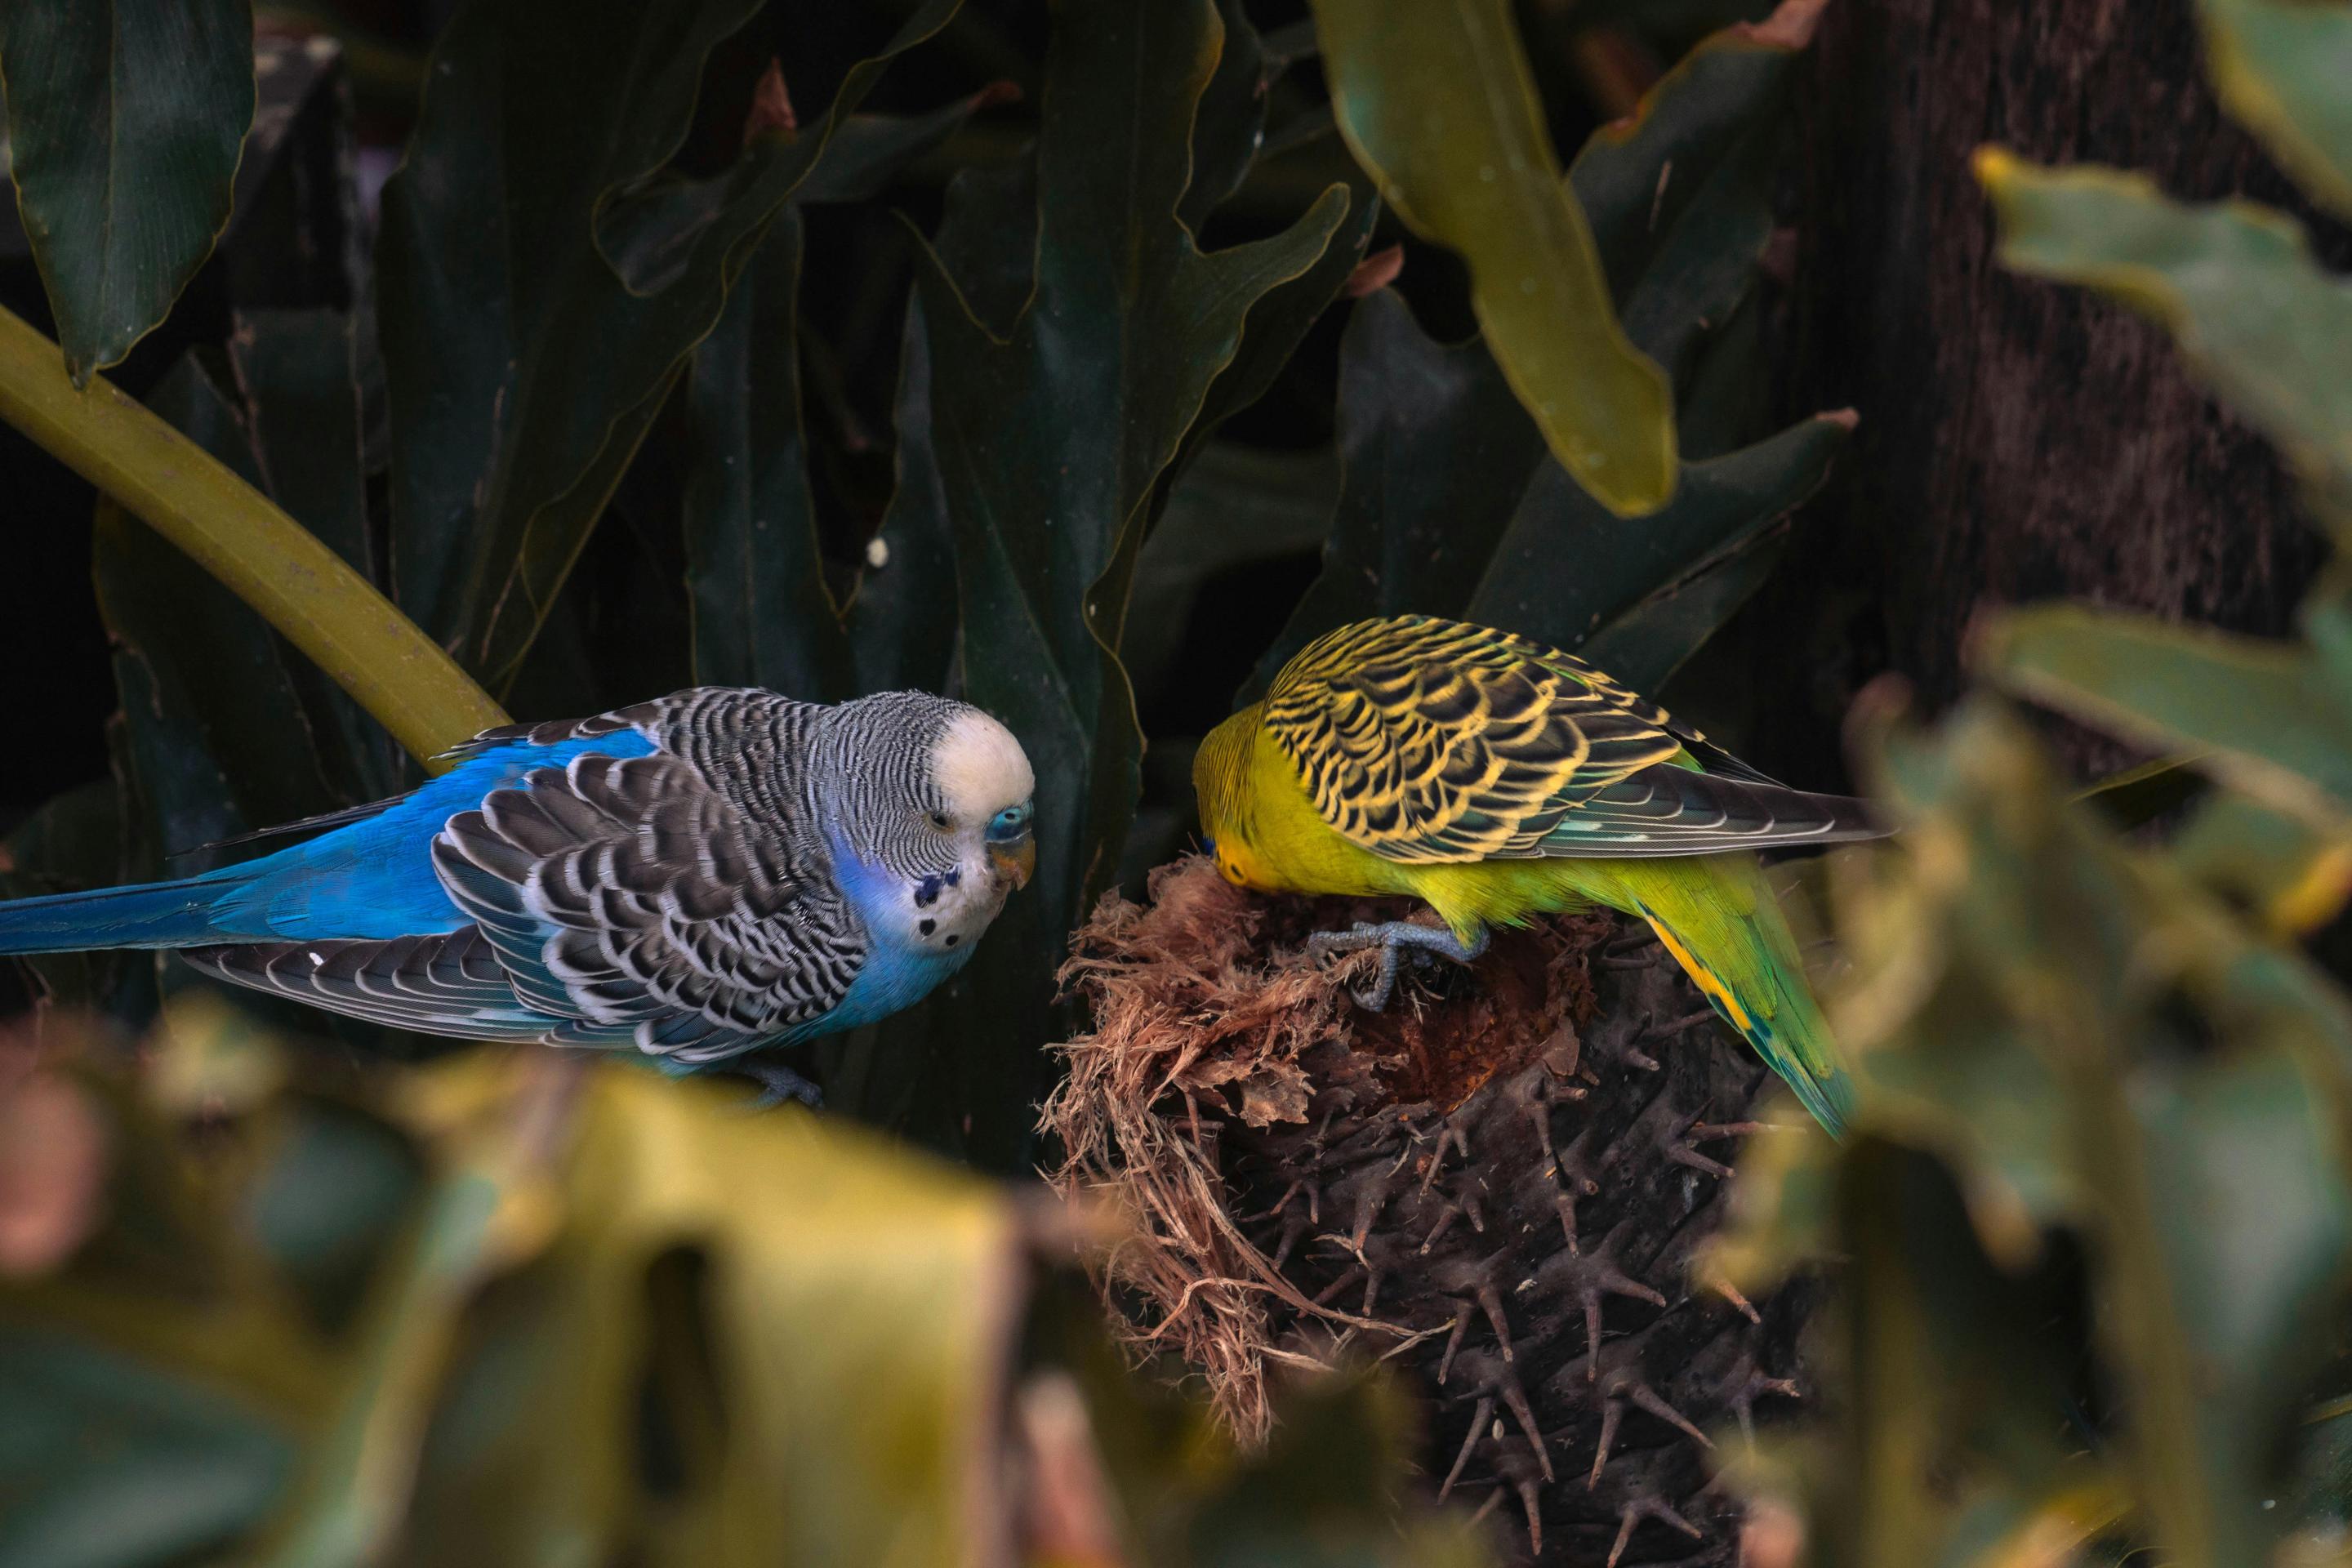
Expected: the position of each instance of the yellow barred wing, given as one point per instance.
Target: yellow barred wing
(1425, 740)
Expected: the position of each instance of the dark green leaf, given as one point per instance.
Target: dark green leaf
(522, 370)
(1448, 507)
(297, 371)
(650, 231)
(124, 121)
(1234, 506)
(81, 839)
(2286, 877)
(762, 615)
(218, 739)
(327, 1205)
(2093, 1044)
(1448, 504)
(1638, 597)
(1680, 194)
(903, 629)
(1230, 123)
(1435, 455)
(1049, 442)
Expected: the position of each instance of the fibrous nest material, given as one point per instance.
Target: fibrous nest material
(1500, 1184)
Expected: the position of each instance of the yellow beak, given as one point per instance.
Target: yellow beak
(1015, 862)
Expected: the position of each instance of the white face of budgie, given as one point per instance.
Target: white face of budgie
(983, 785)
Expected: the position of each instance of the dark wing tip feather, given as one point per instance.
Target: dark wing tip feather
(1668, 810)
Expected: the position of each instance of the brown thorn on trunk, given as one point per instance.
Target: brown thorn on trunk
(1298, 1185)
(1611, 1414)
(1516, 1397)
(1643, 1508)
(1682, 1154)
(1564, 1206)
(1323, 1298)
(1528, 1499)
(1445, 1135)
(1649, 1400)
(1492, 1301)
(1454, 1341)
(1731, 1293)
(1540, 1115)
(1478, 1419)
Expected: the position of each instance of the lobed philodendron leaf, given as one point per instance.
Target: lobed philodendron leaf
(527, 348)
(125, 121)
(1438, 103)
(2281, 67)
(2235, 284)
(1050, 436)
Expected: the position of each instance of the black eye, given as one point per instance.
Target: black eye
(940, 821)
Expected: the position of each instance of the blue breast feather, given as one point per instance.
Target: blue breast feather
(897, 972)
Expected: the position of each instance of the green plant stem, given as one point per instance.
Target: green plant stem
(297, 585)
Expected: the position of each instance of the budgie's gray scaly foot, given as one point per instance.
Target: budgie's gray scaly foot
(1394, 939)
(779, 1083)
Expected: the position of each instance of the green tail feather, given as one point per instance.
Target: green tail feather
(1720, 920)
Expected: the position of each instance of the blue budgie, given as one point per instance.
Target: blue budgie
(701, 877)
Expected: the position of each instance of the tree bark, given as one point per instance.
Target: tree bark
(2019, 439)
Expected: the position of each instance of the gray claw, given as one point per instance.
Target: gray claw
(1395, 939)
(779, 1083)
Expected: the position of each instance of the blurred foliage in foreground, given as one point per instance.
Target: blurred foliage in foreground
(521, 1309)
(2098, 1216)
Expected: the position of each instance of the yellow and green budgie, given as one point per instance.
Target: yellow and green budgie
(1498, 779)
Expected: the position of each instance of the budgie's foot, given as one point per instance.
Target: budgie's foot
(779, 1083)
(1395, 939)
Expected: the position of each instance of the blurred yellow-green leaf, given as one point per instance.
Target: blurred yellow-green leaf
(2288, 877)
(1438, 102)
(2261, 712)
(2281, 67)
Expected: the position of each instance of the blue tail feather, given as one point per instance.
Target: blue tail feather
(154, 914)
(372, 876)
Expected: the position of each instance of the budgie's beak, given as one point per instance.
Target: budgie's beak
(1014, 860)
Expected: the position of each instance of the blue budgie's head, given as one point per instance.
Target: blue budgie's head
(932, 799)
